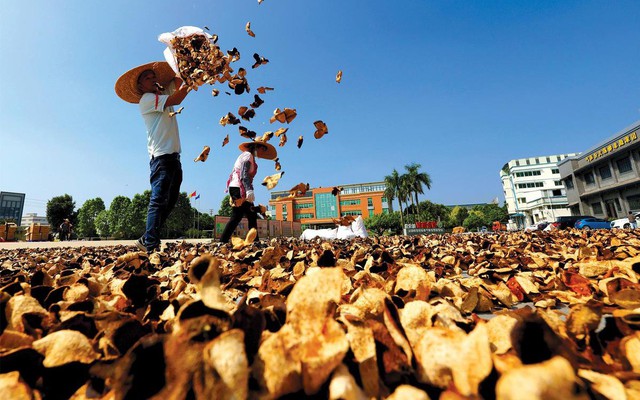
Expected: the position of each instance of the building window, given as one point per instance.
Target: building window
(353, 213)
(555, 171)
(528, 173)
(557, 183)
(325, 206)
(617, 203)
(302, 215)
(369, 202)
(303, 205)
(605, 172)
(569, 183)
(548, 159)
(596, 207)
(589, 179)
(517, 163)
(528, 162)
(371, 213)
(556, 192)
(10, 210)
(634, 202)
(624, 165)
(522, 200)
(537, 161)
(530, 185)
(350, 202)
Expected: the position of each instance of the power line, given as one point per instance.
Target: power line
(34, 200)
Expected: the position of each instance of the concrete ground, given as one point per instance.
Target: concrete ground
(84, 243)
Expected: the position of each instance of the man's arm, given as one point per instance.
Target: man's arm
(177, 96)
(247, 181)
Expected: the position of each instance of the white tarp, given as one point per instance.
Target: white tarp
(356, 229)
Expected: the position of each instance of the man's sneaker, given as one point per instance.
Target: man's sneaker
(140, 244)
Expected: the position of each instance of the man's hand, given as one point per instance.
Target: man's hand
(250, 196)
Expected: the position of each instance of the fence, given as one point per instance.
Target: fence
(266, 228)
(8, 231)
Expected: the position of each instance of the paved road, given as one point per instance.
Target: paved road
(84, 243)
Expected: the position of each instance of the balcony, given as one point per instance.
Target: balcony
(546, 201)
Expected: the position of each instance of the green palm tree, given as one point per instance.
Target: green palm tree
(393, 190)
(417, 180)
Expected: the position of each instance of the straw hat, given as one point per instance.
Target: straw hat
(127, 84)
(265, 150)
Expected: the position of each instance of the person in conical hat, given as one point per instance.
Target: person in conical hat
(240, 185)
(156, 89)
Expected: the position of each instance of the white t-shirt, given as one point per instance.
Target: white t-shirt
(162, 130)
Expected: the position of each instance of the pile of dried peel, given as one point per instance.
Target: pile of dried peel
(396, 317)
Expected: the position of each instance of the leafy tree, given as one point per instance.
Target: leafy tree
(194, 233)
(118, 218)
(59, 208)
(137, 214)
(395, 190)
(87, 216)
(381, 223)
(102, 223)
(475, 220)
(457, 216)
(492, 212)
(428, 211)
(206, 221)
(225, 208)
(180, 219)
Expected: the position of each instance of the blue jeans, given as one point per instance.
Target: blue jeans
(165, 179)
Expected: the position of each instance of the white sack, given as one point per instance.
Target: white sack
(183, 31)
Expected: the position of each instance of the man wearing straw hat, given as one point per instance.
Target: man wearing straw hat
(240, 185)
(156, 89)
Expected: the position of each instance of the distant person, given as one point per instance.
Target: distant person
(156, 89)
(240, 185)
(632, 221)
(65, 230)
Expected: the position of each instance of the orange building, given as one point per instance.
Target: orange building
(318, 207)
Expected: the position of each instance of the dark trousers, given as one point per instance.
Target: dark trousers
(165, 179)
(245, 210)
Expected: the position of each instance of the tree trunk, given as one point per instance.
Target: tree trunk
(415, 208)
(401, 214)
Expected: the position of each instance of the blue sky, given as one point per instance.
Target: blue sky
(458, 87)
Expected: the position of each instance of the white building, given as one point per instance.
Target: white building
(533, 189)
(33, 218)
